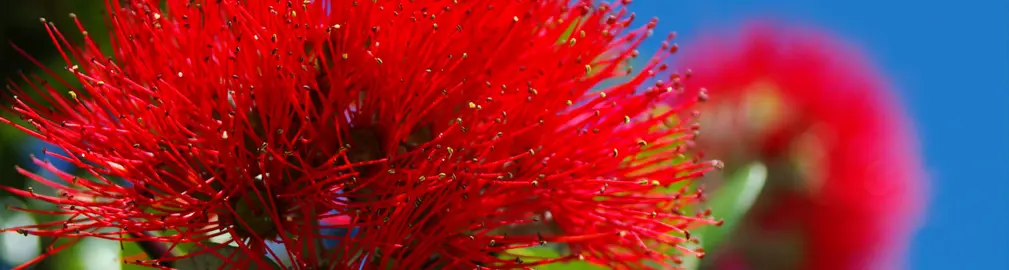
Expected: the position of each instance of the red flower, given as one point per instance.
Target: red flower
(844, 167)
(431, 126)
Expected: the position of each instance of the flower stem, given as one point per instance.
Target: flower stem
(155, 250)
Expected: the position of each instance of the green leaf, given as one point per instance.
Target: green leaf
(730, 203)
(580, 265)
(228, 255)
(547, 252)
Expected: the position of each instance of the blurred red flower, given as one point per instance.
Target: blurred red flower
(845, 175)
(429, 126)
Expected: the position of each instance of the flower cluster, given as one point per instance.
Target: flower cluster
(844, 181)
(434, 129)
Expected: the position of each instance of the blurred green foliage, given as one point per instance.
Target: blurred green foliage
(20, 25)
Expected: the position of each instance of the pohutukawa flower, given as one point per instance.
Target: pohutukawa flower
(844, 185)
(430, 128)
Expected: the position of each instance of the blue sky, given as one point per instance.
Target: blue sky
(950, 63)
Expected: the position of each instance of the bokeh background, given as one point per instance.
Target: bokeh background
(949, 62)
